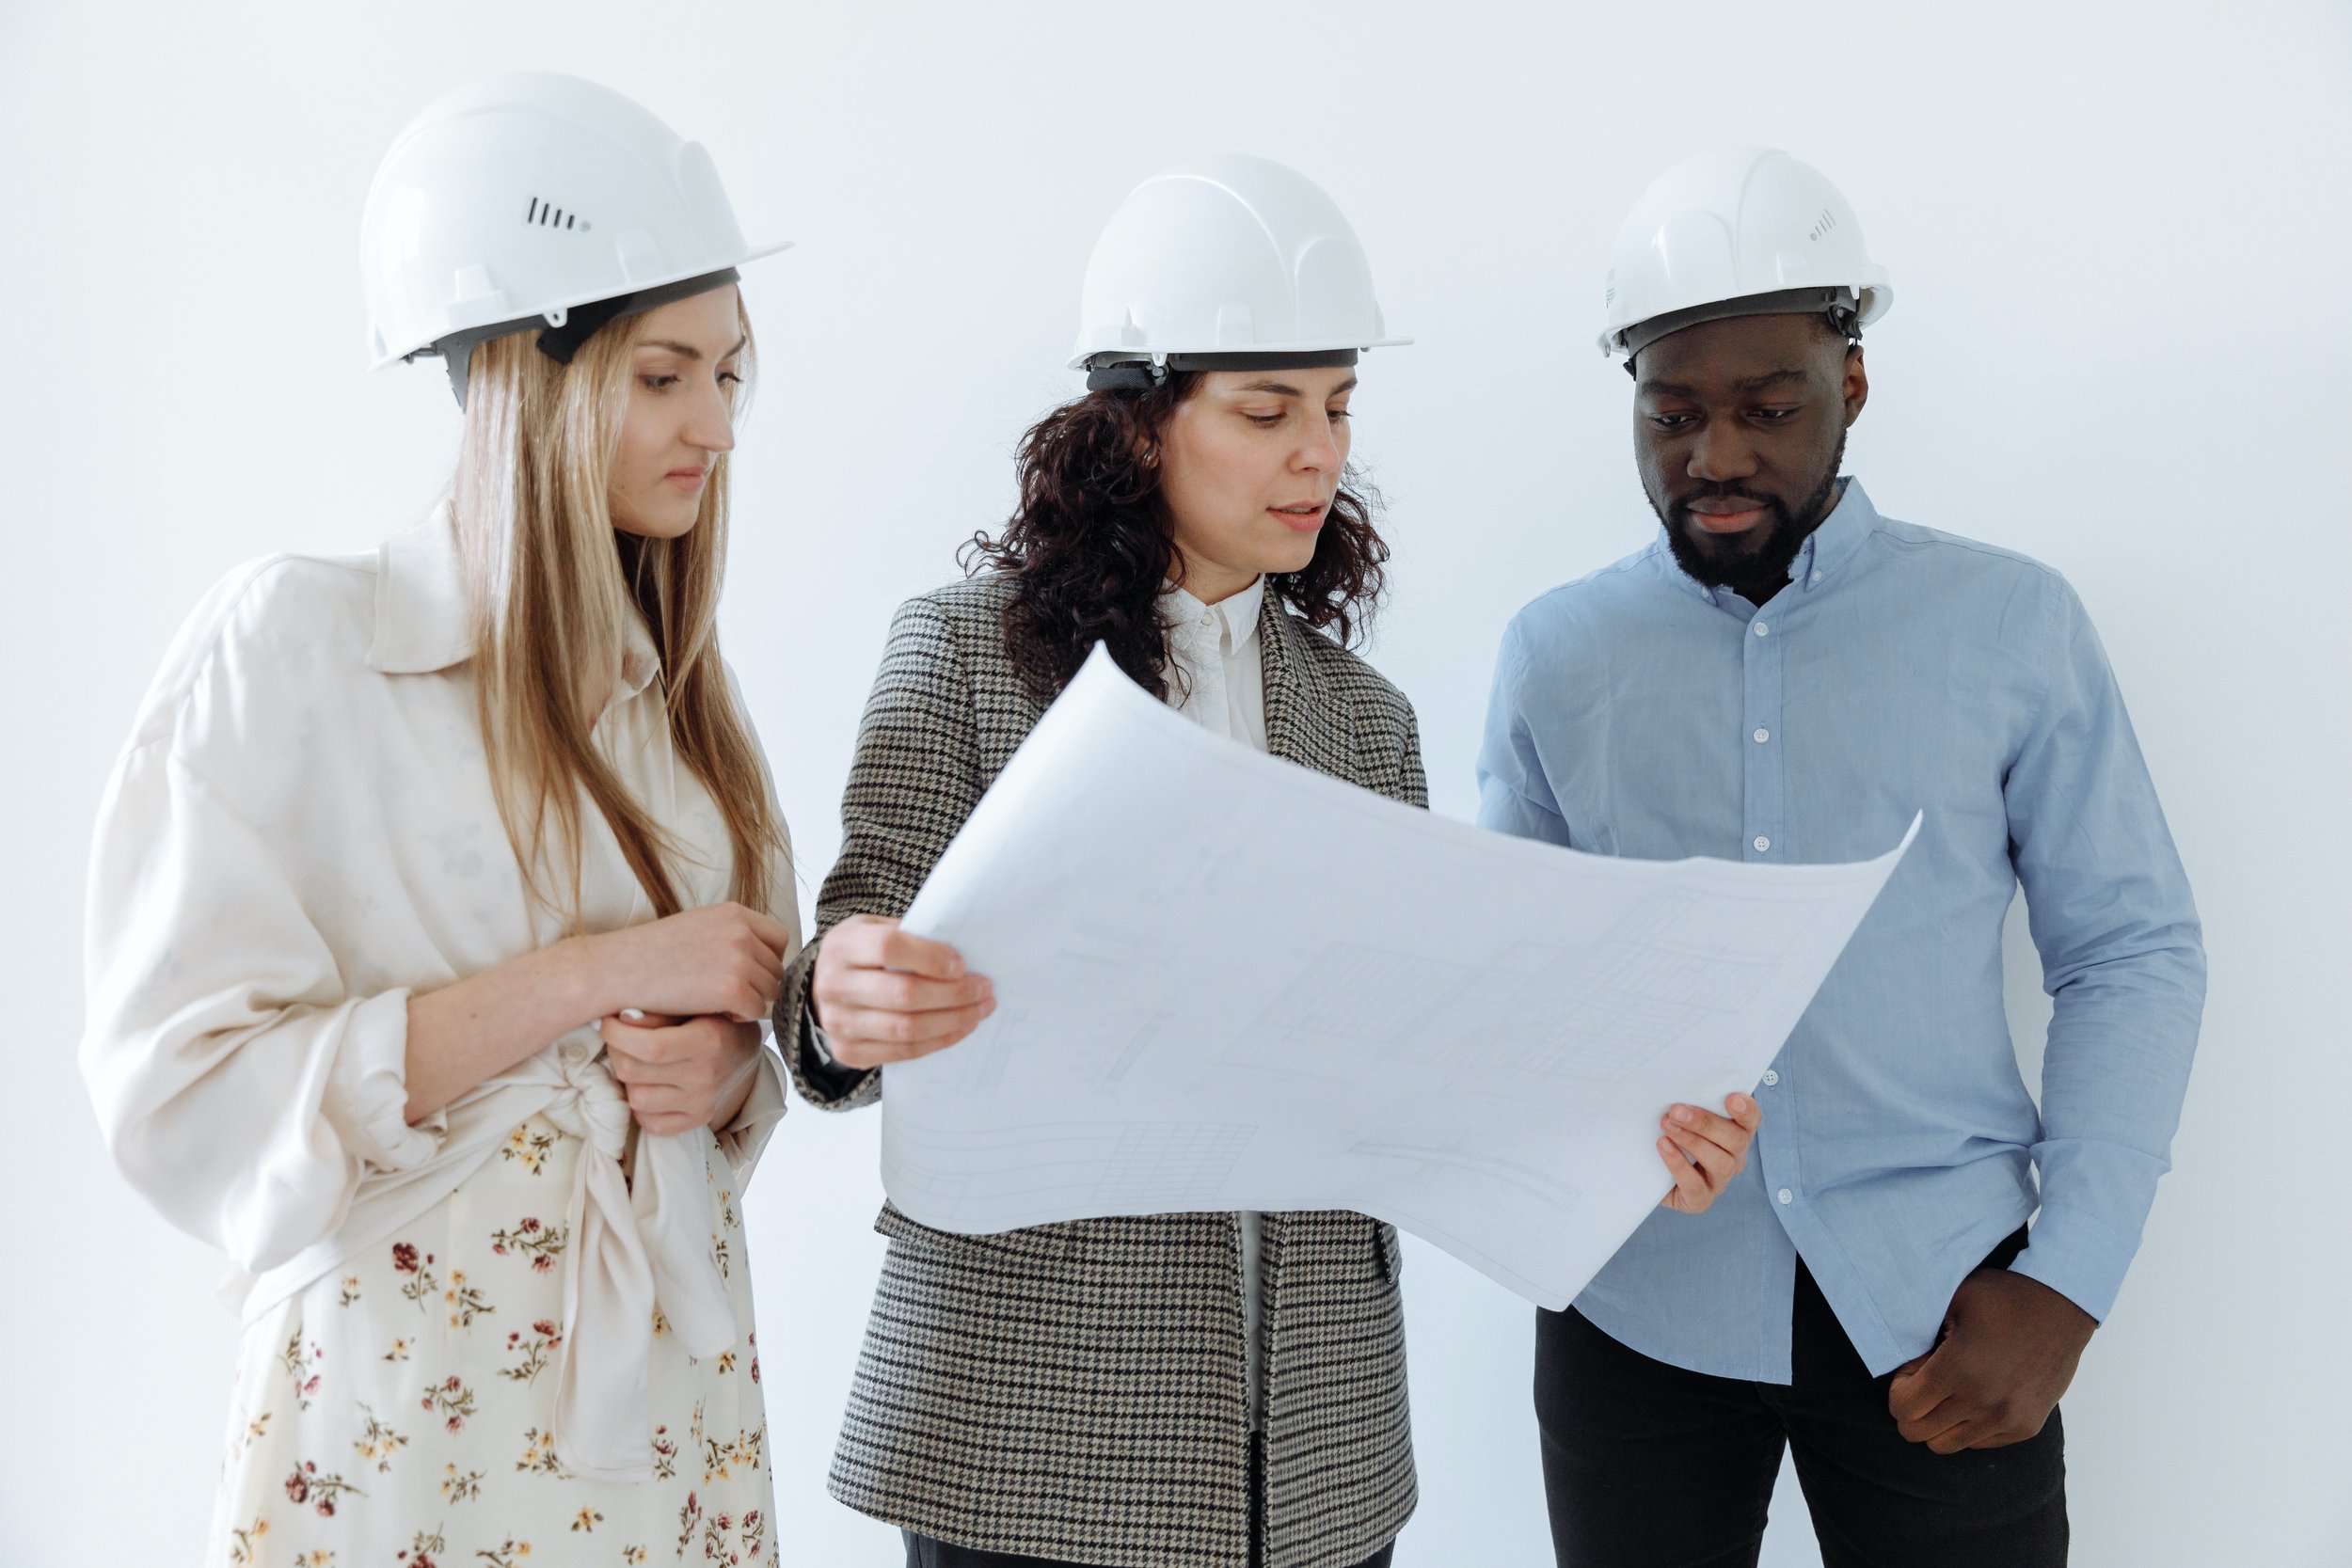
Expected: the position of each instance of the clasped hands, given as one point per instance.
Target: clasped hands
(682, 999)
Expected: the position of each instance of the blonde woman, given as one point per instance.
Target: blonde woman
(438, 891)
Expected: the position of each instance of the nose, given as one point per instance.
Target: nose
(711, 425)
(1721, 453)
(1321, 446)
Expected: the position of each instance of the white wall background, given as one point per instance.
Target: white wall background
(2121, 234)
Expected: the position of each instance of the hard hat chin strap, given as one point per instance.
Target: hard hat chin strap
(1141, 376)
(560, 341)
(1839, 304)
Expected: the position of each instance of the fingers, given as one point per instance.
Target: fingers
(896, 991)
(1690, 1195)
(772, 932)
(864, 1038)
(664, 1111)
(877, 943)
(645, 1052)
(1704, 1151)
(1927, 1410)
(1732, 1134)
(1689, 1130)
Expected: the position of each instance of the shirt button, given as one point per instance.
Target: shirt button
(1761, 628)
(1762, 844)
(1785, 1195)
(1771, 1077)
(1763, 736)
(1817, 577)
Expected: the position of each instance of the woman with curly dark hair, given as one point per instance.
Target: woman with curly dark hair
(1194, 1391)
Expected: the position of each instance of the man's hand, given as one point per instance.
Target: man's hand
(1704, 1151)
(682, 1074)
(2009, 1348)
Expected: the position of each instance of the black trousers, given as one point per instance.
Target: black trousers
(1648, 1466)
(925, 1552)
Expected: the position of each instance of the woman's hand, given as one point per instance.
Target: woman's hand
(884, 996)
(1705, 1150)
(681, 1074)
(723, 959)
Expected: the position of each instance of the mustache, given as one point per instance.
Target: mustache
(1728, 493)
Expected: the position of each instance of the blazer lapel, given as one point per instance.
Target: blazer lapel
(1306, 722)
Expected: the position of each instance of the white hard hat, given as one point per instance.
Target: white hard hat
(1746, 230)
(507, 203)
(1230, 258)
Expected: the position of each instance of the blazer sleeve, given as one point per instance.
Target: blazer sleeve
(913, 780)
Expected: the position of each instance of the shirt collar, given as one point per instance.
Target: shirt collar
(423, 623)
(1824, 551)
(1235, 617)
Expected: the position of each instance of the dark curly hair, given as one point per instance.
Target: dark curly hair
(1090, 544)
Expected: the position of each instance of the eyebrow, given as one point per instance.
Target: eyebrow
(1283, 389)
(1748, 384)
(688, 351)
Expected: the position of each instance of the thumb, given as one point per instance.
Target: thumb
(1916, 1387)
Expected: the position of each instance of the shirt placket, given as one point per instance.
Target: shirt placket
(1763, 823)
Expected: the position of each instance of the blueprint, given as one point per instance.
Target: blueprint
(1226, 982)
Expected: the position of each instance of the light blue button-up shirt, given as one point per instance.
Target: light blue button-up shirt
(1637, 712)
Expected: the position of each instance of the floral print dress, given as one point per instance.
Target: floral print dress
(401, 1412)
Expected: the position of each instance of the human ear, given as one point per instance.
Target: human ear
(1857, 385)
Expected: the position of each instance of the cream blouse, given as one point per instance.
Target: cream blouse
(298, 835)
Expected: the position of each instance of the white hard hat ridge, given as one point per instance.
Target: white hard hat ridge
(524, 195)
(1228, 255)
(1738, 223)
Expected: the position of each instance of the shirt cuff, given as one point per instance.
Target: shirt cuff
(366, 1097)
(742, 1139)
(826, 1082)
(2078, 1256)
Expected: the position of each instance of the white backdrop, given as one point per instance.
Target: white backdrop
(2119, 235)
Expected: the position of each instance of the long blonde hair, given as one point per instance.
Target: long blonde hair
(553, 587)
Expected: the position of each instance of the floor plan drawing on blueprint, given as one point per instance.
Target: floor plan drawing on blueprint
(1228, 982)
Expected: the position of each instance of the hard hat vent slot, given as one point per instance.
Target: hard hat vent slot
(546, 214)
(1822, 225)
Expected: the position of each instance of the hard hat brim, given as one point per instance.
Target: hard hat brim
(659, 279)
(1085, 358)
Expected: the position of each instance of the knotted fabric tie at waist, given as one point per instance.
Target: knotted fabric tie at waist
(635, 1248)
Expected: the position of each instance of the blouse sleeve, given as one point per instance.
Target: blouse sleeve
(241, 1088)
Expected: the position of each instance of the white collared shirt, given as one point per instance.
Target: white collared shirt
(1217, 679)
(300, 834)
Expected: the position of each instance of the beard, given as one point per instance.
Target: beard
(1756, 573)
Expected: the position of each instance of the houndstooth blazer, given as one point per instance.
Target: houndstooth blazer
(1075, 1390)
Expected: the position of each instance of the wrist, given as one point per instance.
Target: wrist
(581, 978)
(736, 1094)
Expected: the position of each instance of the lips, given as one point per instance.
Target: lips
(1303, 517)
(1727, 514)
(686, 479)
